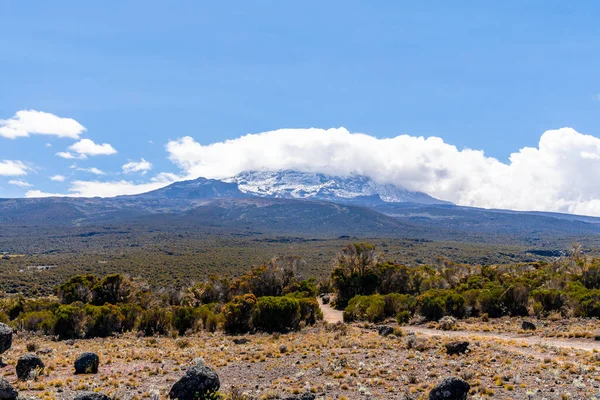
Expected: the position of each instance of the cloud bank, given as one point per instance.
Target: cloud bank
(31, 122)
(13, 168)
(561, 174)
(87, 147)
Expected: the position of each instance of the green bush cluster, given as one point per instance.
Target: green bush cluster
(376, 308)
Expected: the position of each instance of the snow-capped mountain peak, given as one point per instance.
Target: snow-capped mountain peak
(317, 186)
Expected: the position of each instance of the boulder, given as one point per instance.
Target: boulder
(91, 396)
(198, 382)
(305, 396)
(450, 389)
(7, 392)
(385, 330)
(326, 299)
(241, 340)
(6, 334)
(27, 364)
(457, 347)
(87, 363)
(528, 326)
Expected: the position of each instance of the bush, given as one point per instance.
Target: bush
(112, 289)
(78, 288)
(403, 317)
(238, 314)
(454, 304)
(155, 321)
(37, 321)
(432, 305)
(103, 321)
(70, 321)
(131, 314)
(489, 301)
(549, 299)
(310, 312)
(184, 318)
(276, 314)
(365, 308)
(396, 303)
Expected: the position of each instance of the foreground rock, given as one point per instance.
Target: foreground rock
(305, 396)
(87, 363)
(28, 364)
(5, 338)
(198, 382)
(91, 396)
(458, 347)
(528, 326)
(450, 389)
(7, 392)
(385, 330)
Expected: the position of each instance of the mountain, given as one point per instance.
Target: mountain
(356, 189)
(298, 203)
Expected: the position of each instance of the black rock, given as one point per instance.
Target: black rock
(87, 363)
(198, 382)
(385, 330)
(241, 340)
(91, 396)
(450, 389)
(6, 334)
(528, 326)
(27, 364)
(7, 392)
(305, 396)
(326, 299)
(458, 347)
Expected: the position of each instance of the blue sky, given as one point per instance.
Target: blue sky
(491, 76)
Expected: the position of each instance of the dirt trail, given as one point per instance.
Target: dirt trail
(329, 314)
(517, 340)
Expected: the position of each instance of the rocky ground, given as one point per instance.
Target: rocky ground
(331, 361)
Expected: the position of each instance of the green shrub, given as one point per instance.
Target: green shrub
(112, 289)
(78, 288)
(431, 305)
(454, 304)
(489, 301)
(550, 299)
(37, 321)
(238, 314)
(365, 308)
(276, 314)
(396, 303)
(131, 314)
(155, 321)
(310, 312)
(103, 321)
(70, 321)
(184, 318)
(403, 317)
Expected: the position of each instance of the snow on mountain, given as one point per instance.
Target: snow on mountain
(306, 185)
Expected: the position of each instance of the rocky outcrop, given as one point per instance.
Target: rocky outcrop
(528, 326)
(27, 364)
(385, 330)
(198, 382)
(87, 363)
(7, 392)
(91, 396)
(6, 334)
(457, 347)
(450, 389)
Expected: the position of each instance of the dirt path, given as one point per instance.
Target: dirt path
(518, 339)
(329, 314)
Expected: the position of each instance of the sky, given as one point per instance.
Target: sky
(488, 104)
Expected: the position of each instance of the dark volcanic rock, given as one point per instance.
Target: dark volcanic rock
(385, 330)
(458, 347)
(241, 340)
(27, 364)
(305, 396)
(91, 396)
(7, 392)
(197, 382)
(450, 389)
(5, 337)
(87, 363)
(528, 326)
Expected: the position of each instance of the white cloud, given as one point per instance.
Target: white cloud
(87, 147)
(20, 183)
(31, 122)
(57, 178)
(141, 166)
(110, 188)
(561, 174)
(13, 168)
(92, 170)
